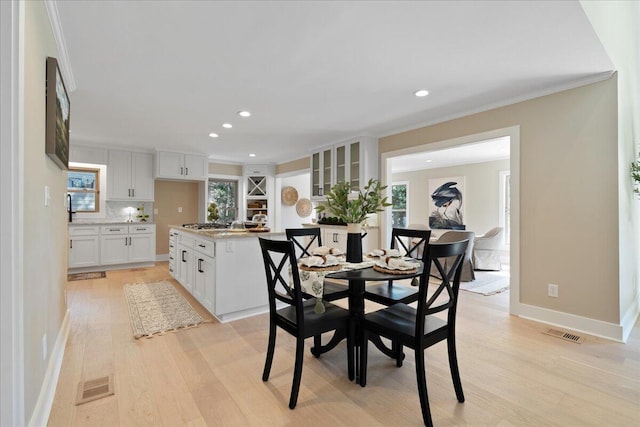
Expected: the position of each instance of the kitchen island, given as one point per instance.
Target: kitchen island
(223, 269)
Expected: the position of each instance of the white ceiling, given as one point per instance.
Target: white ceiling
(476, 152)
(164, 74)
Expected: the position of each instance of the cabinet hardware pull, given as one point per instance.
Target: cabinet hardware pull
(183, 252)
(186, 171)
(200, 270)
(202, 246)
(129, 241)
(133, 192)
(181, 170)
(71, 244)
(125, 241)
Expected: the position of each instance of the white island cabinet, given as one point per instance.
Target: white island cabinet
(224, 271)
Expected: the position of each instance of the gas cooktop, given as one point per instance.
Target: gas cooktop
(204, 225)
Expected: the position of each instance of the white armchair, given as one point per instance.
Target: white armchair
(486, 251)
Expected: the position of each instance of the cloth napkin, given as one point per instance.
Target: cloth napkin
(324, 250)
(319, 261)
(396, 264)
(385, 252)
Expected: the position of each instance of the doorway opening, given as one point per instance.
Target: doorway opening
(487, 165)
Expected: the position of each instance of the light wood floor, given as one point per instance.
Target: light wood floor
(512, 374)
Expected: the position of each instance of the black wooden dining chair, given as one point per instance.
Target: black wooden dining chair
(411, 243)
(298, 317)
(420, 328)
(305, 239)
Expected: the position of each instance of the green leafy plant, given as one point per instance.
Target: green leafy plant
(635, 174)
(142, 216)
(212, 212)
(353, 207)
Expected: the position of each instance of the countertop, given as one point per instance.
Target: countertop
(106, 222)
(221, 233)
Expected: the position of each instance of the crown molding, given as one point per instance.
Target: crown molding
(63, 54)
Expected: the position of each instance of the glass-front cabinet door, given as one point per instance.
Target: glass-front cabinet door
(321, 172)
(315, 175)
(354, 165)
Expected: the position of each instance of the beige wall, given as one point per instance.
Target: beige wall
(568, 193)
(481, 193)
(618, 27)
(169, 195)
(293, 166)
(225, 169)
(45, 231)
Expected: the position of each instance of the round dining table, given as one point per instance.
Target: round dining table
(357, 279)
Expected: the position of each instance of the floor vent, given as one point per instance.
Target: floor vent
(94, 389)
(565, 335)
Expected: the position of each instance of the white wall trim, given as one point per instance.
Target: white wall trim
(43, 406)
(63, 54)
(12, 405)
(293, 173)
(575, 323)
(513, 133)
(629, 319)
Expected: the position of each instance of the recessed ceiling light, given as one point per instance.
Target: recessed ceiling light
(428, 161)
(227, 125)
(213, 135)
(244, 113)
(420, 93)
(252, 155)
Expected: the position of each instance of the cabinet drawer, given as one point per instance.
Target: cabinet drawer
(114, 229)
(84, 231)
(186, 240)
(141, 229)
(206, 247)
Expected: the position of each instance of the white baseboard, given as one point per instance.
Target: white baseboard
(162, 257)
(575, 323)
(42, 410)
(629, 319)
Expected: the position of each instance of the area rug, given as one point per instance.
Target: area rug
(85, 276)
(156, 308)
(487, 283)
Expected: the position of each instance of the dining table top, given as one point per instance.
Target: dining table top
(369, 274)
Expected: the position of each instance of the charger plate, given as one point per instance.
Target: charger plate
(376, 267)
(316, 268)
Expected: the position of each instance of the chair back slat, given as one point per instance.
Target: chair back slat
(279, 257)
(411, 242)
(431, 302)
(304, 239)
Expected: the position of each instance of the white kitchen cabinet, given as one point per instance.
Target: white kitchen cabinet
(204, 284)
(84, 246)
(173, 165)
(321, 172)
(354, 162)
(335, 236)
(185, 262)
(259, 191)
(124, 244)
(130, 176)
(173, 248)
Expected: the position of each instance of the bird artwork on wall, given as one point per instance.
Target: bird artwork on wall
(446, 203)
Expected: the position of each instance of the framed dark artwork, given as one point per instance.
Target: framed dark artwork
(58, 109)
(446, 203)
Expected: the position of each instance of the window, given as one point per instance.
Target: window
(224, 193)
(83, 184)
(399, 214)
